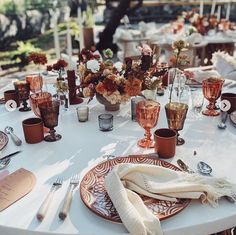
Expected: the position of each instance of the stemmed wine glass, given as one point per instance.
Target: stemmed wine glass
(147, 114)
(39, 98)
(211, 90)
(36, 82)
(176, 115)
(23, 90)
(49, 113)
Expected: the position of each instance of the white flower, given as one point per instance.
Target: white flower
(118, 66)
(93, 65)
(86, 92)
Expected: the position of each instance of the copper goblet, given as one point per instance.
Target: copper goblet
(176, 114)
(211, 90)
(49, 113)
(35, 81)
(39, 98)
(147, 114)
(23, 89)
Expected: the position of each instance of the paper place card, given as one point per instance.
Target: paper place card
(15, 186)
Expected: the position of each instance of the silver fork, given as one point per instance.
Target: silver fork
(46, 203)
(74, 181)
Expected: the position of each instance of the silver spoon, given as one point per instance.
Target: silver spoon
(223, 117)
(9, 130)
(204, 168)
(4, 163)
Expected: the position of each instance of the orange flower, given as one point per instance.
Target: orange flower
(100, 88)
(173, 60)
(133, 87)
(112, 77)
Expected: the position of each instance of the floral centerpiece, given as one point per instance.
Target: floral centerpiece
(116, 82)
(204, 23)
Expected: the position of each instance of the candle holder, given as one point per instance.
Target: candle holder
(82, 113)
(105, 122)
(23, 89)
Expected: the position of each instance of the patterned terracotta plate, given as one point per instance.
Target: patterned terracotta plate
(3, 140)
(233, 118)
(94, 195)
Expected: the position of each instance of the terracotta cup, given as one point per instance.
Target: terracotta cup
(231, 97)
(165, 142)
(33, 130)
(12, 95)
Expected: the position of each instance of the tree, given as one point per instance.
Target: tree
(106, 37)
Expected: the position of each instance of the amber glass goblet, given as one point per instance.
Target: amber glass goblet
(23, 89)
(35, 81)
(147, 114)
(39, 98)
(49, 113)
(211, 88)
(176, 115)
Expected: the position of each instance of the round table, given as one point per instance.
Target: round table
(83, 146)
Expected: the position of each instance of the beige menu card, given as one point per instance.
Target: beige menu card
(15, 186)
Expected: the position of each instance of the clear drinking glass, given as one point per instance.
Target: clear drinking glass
(197, 100)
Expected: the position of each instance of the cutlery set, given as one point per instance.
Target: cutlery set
(74, 182)
(204, 169)
(4, 161)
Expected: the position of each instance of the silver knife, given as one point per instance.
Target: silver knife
(10, 155)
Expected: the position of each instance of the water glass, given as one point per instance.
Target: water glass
(105, 122)
(82, 113)
(197, 100)
(134, 102)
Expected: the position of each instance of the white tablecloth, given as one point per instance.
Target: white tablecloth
(83, 145)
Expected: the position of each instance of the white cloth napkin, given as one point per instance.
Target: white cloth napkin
(200, 75)
(225, 64)
(126, 179)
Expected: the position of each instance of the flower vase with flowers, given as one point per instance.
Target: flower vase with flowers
(176, 111)
(36, 80)
(103, 79)
(115, 83)
(61, 85)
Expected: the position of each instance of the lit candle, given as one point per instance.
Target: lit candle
(81, 33)
(218, 13)
(69, 44)
(201, 8)
(213, 7)
(56, 37)
(228, 11)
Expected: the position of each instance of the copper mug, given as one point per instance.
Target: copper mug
(12, 95)
(33, 130)
(165, 142)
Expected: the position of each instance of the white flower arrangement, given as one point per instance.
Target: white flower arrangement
(93, 66)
